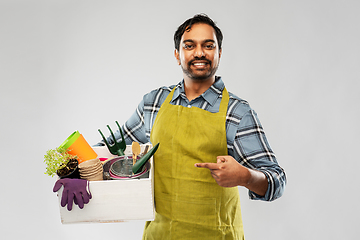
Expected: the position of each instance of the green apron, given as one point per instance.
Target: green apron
(189, 203)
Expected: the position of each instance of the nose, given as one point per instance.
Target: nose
(199, 52)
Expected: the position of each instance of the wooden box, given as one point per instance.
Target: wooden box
(115, 200)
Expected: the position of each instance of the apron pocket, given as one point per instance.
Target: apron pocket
(199, 211)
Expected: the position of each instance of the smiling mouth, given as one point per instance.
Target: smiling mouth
(199, 64)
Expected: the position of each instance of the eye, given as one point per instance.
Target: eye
(188, 46)
(209, 46)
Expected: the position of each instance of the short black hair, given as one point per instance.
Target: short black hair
(198, 18)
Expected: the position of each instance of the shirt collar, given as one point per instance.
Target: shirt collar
(210, 95)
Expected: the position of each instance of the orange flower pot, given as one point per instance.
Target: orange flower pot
(76, 144)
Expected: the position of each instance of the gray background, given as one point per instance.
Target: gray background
(80, 65)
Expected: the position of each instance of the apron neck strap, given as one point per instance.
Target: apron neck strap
(223, 104)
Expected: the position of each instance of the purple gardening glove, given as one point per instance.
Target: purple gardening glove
(74, 189)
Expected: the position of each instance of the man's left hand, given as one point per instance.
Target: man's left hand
(227, 172)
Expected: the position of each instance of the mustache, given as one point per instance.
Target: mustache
(199, 59)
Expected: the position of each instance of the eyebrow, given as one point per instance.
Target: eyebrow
(205, 41)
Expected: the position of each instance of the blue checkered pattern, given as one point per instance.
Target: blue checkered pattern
(246, 138)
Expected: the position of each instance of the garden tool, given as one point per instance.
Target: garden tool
(145, 151)
(136, 168)
(117, 148)
(135, 147)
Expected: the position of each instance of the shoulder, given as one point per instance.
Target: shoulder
(238, 107)
(161, 89)
(158, 95)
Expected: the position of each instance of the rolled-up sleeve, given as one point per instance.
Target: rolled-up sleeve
(252, 150)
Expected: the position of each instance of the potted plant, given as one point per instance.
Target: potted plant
(59, 161)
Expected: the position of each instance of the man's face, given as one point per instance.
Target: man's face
(199, 54)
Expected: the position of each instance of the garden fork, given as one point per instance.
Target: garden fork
(117, 148)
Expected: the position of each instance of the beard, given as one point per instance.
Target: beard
(204, 73)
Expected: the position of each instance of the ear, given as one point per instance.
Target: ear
(220, 53)
(177, 56)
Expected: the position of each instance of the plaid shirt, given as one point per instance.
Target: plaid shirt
(246, 140)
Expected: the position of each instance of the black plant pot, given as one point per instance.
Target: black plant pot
(74, 174)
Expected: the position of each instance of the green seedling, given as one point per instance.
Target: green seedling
(56, 159)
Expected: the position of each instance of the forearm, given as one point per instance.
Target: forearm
(264, 182)
(257, 182)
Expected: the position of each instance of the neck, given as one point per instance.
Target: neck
(194, 88)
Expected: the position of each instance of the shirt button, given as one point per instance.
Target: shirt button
(189, 106)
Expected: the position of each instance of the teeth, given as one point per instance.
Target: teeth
(199, 64)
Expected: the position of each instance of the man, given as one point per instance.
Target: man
(211, 141)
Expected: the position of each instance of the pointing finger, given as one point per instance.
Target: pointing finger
(211, 166)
